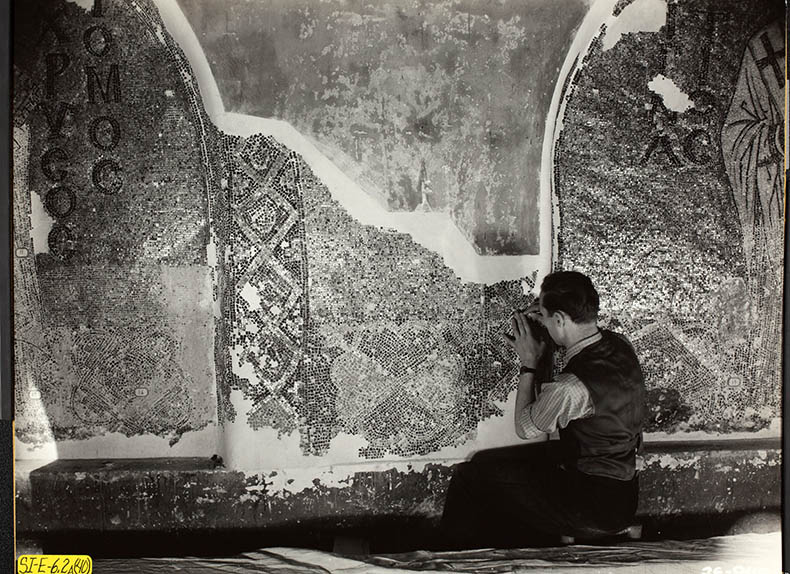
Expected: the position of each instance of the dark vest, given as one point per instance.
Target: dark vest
(605, 444)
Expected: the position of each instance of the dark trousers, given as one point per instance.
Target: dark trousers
(521, 496)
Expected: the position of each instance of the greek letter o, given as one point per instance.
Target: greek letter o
(87, 40)
(60, 241)
(50, 157)
(93, 131)
(54, 201)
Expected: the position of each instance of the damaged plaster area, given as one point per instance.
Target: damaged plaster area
(39, 222)
(257, 363)
(84, 4)
(639, 16)
(434, 230)
(277, 450)
(117, 445)
(673, 97)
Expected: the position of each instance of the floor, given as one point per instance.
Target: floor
(742, 553)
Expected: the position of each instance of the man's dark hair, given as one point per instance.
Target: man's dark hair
(572, 293)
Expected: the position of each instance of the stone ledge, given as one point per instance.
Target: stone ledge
(142, 495)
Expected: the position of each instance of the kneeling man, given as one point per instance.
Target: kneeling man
(586, 483)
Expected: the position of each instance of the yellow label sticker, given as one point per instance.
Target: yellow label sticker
(54, 564)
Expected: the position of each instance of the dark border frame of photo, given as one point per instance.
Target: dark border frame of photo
(7, 540)
(6, 267)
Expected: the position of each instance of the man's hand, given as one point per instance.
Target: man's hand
(528, 348)
(533, 312)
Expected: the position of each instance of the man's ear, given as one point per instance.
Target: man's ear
(560, 318)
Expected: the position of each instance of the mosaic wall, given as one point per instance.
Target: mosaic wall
(158, 260)
(113, 291)
(351, 328)
(674, 205)
(427, 105)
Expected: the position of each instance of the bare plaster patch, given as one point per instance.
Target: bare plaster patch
(84, 4)
(639, 16)
(203, 442)
(295, 471)
(435, 231)
(670, 462)
(251, 296)
(187, 297)
(674, 98)
(40, 224)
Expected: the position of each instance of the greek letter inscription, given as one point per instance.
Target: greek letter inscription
(56, 64)
(97, 40)
(103, 83)
(106, 176)
(55, 119)
(60, 201)
(693, 146)
(110, 91)
(50, 160)
(61, 242)
(98, 131)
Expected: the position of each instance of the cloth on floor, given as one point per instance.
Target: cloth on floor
(756, 553)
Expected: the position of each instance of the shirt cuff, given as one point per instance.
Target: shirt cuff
(528, 427)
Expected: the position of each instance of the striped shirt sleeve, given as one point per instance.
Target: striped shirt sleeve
(559, 402)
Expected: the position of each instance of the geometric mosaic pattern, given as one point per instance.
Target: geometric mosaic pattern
(375, 354)
(120, 386)
(269, 276)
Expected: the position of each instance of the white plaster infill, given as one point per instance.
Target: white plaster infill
(673, 97)
(639, 16)
(41, 222)
(118, 445)
(435, 231)
(282, 452)
(84, 4)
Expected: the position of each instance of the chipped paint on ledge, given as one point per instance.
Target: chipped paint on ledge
(670, 462)
(168, 494)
